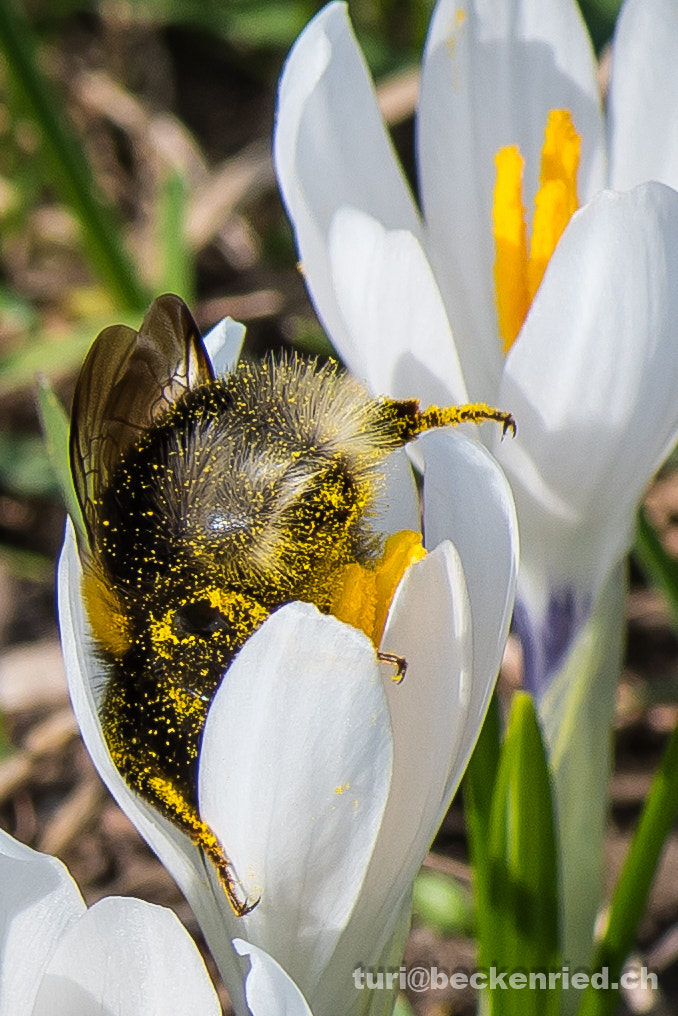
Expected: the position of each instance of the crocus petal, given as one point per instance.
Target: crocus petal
(400, 336)
(331, 149)
(397, 501)
(592, 382)
(126, 957)
(468, 500)
(223, 344)
(644, 95)
(268, 989)
(294, 775)
(491, 73)
(40, 901)
(430, 626)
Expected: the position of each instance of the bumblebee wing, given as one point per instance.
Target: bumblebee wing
(128, 381)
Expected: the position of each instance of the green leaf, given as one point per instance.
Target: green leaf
(659, 566)
(55, 427)
(177, 265)
(479, 783)
(70, 171)
(522, 894)
(632, 890)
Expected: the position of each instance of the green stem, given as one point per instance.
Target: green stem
(630, 896)
(72, 172)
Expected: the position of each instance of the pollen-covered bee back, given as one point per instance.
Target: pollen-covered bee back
(209, 503)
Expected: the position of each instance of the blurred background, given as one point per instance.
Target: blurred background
(135, 143)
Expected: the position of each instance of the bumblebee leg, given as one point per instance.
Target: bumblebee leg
(399, 662)
(475, 412)
(164, 795)
(411, 421)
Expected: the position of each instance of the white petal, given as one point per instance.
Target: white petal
(492, 72)
(294, 775)
(268, 989)
(401, 339)
(39, 903)
(331, 149)
(397, 505)
(644, 95)
(467, 499)
(223, 344)
(125, 957)
(430, 625)
(86, 680)
(592, 381)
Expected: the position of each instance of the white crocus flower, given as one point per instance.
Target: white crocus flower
(410, 298)
(417, 301)
(121, 957)
(324, 778)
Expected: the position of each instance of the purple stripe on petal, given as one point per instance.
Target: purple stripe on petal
(546, 643)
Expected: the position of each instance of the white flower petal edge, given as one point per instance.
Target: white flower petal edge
(268, 989)
(490, 74)
(331, 149)
(396, 323)
(304, 706)
(223, 344)
(121, 956)
(397, 500)
(430, 625)
(467, 499)
(593, 380)
(39, 901)
(644, 95)
(126, 957)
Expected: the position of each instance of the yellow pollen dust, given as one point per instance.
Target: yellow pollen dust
(363, 596)
(106, 614)
(517, 272)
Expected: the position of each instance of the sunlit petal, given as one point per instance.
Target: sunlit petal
(400, 335)
(40, 902)
(223, 344)
(491, 73)
(644, 95)
(294, 776)
(126, 957)
(468, 500)
(331, 150)
(593, 381)
(268, 989)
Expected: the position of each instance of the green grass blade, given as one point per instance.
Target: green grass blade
(71, 171)
(522, 895)
(55, 427)
(659, 567)
(630, 896)
(177, 273)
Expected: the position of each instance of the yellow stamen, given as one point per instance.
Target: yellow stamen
(510, 241)
(517, 276)
(363, 595)
(556, 200)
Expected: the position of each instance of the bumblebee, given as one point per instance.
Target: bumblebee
(208, 503)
